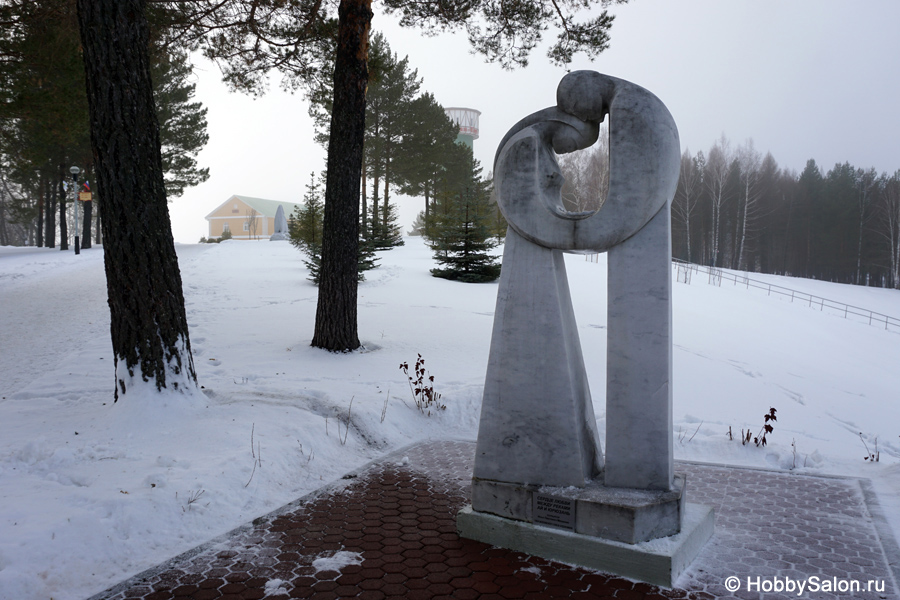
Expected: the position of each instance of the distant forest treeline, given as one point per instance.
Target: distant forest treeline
(736, 208)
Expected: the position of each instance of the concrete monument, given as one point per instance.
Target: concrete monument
(541, 483)
(281, 226)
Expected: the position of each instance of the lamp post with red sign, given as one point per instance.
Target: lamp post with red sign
(75, 171)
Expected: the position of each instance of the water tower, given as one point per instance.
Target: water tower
(467, 120)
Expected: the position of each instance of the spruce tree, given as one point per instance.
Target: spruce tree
(365, 259)
(305, 225)
(418, 225)
(305, 230)
(460, 235)
(384, 229)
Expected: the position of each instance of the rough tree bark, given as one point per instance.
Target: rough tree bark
(336, 328)
(148, 322)
(50, 212)
(86, 224)
(98, 217)
(363, 199)
(40, 220)
(63, 224)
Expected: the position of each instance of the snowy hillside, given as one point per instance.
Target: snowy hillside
(92, 492)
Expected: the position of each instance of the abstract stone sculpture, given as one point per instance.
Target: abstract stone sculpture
(281, 226)
(537, 436)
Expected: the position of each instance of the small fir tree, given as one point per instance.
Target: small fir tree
(305, 224)
(460, 233)
(384, 227)
(418, 226)
(365, 259)
(305, 229)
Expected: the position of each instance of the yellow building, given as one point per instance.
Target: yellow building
(246, 218)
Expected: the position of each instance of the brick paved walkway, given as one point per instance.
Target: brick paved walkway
(389, 531)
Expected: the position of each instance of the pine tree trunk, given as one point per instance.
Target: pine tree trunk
(4, 235)
(362, 197)
(373, 226)
(98, 238)
(86, 229)
(862, 220)
(336, 323)
(40, 219)
(50, 220)
(384, 202)
(148, 322)
(63, 225)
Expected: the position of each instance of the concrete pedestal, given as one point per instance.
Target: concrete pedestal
(658, 562)
(623, 515)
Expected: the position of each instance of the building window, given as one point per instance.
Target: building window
(246, 226)
(225, 228)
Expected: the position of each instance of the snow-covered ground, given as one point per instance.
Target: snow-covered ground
(92, 492)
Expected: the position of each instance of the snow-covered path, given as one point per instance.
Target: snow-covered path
(53, 305)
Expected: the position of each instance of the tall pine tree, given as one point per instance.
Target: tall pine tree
(430, 141)
(148, 320)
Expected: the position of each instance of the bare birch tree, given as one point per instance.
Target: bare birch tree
(718, 168)
(749, 162)
(252, 223)
(890, 222)
(866, 188)
(586, 175)
(687, 194)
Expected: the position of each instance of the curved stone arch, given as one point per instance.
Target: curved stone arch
(644, 152)
(537, 423)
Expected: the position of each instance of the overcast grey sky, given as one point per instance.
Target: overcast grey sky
(803, 78)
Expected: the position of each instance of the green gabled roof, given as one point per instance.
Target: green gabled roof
(266, 208)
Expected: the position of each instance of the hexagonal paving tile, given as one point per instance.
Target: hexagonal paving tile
(400, 522)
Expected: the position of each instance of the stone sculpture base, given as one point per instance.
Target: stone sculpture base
(658, 562)
(623, 515)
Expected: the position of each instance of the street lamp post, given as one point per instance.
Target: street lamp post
(75, 171)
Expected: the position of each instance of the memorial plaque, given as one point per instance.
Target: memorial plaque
(554, 511)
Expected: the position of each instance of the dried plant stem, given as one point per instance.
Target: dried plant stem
(384, 408)
(695, 433)
(347, 432)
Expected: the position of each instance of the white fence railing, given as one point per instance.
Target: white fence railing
(684, 273)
